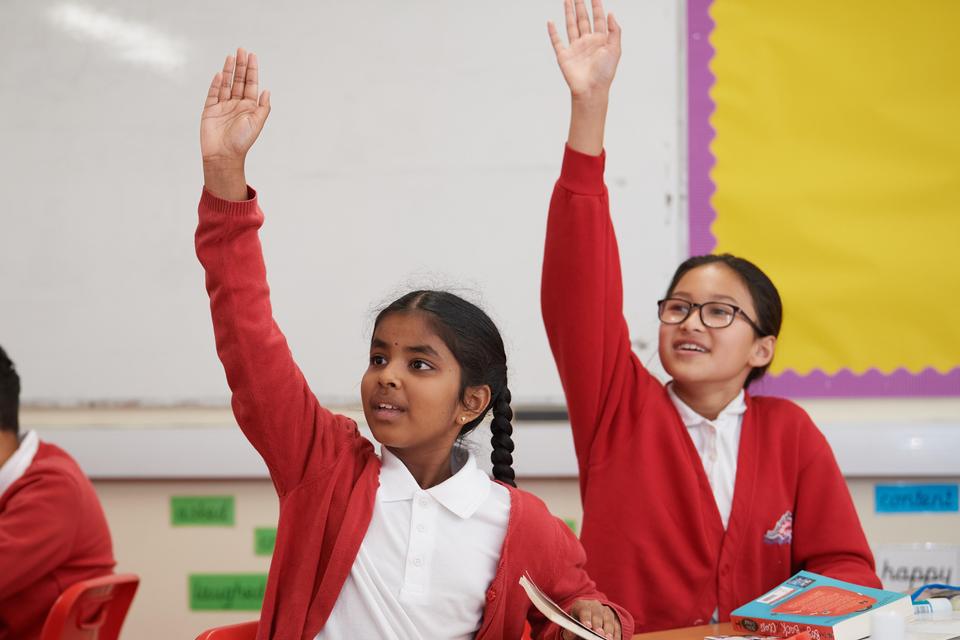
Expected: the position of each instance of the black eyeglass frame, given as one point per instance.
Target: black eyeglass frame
(694, 305)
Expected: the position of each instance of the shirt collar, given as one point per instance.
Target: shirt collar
(690, 418)
(461, 494)
(17, 464)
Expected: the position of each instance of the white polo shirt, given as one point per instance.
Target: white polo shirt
(427, 559)
(16, 465)
(717, 442)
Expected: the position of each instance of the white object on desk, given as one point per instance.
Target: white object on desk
(887, 625)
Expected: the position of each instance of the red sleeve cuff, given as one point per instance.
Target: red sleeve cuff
(581, 173)
(210, 202)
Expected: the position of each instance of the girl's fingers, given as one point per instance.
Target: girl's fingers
(239, 74)
(611, 624)
(599, 20)
(586, 617)
(614, 27)
(214, 90)
(265, 99)
(228, 66)
(555, 39)
(252, 86)
(570, 16)
(597, 616)
(583, 18)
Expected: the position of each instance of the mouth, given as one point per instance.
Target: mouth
(689, 347)
(386, 410)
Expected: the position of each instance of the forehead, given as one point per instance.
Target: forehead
(405, 329)
(714, 282)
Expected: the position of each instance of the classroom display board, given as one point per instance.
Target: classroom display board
(410, 145)
(824, 145)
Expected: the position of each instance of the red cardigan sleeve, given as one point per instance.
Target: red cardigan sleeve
(827, 536)
(37, 530)
(271, 400)
(570, 583)
(582, 304)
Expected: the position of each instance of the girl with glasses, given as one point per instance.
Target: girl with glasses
(698, 496)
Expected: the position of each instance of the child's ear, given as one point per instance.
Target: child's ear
(762, 352)
(475, 400)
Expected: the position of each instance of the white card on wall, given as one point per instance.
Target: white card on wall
(904, 567)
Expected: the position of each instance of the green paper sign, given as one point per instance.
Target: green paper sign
(264, 539)
(201, 511)
(227, 591)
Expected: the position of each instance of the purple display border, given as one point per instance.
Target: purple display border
(700, 135)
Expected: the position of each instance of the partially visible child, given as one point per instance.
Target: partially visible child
(418, 542)
(52, 529)
(698, 497)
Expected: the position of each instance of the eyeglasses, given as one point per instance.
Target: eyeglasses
(715, 315)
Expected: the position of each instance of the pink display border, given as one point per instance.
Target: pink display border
(700, 135)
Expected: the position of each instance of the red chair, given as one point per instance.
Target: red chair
(242, 631)
(91, 609)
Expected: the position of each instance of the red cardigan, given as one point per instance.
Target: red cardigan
(326, 474)
(651, 528)
(52, 534)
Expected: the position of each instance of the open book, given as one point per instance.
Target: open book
(554, 613)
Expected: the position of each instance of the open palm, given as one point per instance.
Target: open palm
(233, 114)
(590, 61)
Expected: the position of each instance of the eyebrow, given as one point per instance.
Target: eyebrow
(713, 298)
(424, 349)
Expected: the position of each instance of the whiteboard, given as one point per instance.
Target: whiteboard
(410, 144)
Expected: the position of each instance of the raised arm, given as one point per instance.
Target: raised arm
(271, 400)
(581, 294)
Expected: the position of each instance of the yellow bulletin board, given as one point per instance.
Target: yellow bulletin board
(824, 146)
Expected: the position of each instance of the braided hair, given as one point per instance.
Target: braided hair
(9, 394)
(475, 342)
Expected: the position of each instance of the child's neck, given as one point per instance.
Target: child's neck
(707, 400)
(428, 466)
(9, 443)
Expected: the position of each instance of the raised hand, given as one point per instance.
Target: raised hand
(233, 116)
(588, 64)
(598, 617)
(590, 60)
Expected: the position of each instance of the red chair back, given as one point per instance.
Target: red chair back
(91, 609)
(242, 631)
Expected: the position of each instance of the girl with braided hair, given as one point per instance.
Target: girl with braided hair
(416, 542)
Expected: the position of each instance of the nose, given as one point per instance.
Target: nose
(693, 322)
(388, 377)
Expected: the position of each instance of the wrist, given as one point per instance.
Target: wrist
(591, 101)
(222, 164)
(225, 180)
(587, 122)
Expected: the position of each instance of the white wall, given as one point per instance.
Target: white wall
(411, 143)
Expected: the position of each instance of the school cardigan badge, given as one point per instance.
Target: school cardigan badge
(782, 532)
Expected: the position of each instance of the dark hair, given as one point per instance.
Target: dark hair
(9, 394)
(475, 342)
(766, 298)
